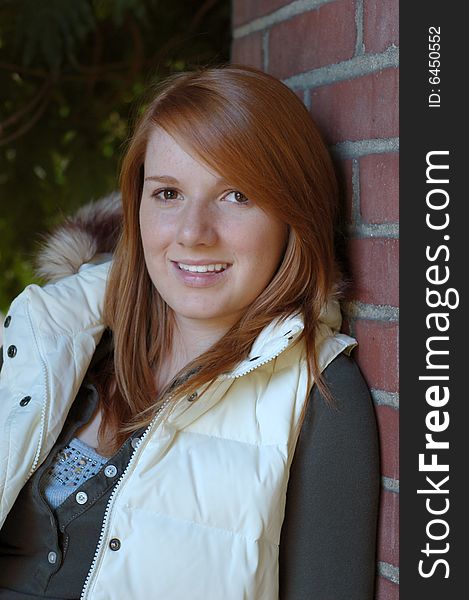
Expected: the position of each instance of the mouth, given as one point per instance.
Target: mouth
(201, 274)
(202, 268)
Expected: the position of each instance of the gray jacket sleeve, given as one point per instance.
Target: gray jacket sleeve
(327, 546)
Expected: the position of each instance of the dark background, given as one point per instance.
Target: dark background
(72, 78)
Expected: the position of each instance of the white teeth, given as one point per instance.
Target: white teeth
(203, 268)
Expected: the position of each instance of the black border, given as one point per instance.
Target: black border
(425, 129)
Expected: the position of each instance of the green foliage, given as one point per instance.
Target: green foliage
(72, 76)
(52, 30)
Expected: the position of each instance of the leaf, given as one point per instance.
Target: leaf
(78, 142)
(49, 30)
(121, 8)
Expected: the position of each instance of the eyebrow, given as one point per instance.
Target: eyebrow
(162, 179)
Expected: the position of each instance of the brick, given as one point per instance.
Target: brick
(374, 266)
(380, 24)
(377, 354)
(362, 108)
(300, 93)
(379, 188)
(386, 590)
(388, 528)
(247, 10)
(248, 50)
(344, 171)
(388, 428)
(313, 39)
(346, 327)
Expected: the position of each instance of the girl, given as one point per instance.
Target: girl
(152, 404)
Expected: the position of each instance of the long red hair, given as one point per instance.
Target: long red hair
(255, 132)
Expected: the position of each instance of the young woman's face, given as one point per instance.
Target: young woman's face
(209, 250)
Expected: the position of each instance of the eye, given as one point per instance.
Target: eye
(165, 194)
(237, 197)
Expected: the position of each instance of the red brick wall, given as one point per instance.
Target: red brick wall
(341, 57)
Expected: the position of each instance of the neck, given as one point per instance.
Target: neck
(193, 337)
(190, 339)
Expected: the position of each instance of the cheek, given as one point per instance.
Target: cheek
(148, 241)
(263, 246)
(272, 238)
(152, 232)
(144, 224)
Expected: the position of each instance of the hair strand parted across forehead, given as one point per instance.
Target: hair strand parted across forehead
(255, 132)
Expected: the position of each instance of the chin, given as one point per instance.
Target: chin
(200, 315)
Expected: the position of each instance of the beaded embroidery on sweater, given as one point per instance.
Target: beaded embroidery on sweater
(71, 467)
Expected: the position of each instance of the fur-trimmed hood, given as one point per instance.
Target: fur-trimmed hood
(92, 231)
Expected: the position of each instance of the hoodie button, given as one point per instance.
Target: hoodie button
(81, 497)
(11, 351)
(115, 544)
(110, 471)
(7, 321)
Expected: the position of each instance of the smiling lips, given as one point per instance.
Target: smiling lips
(200, 274)
(202, 268)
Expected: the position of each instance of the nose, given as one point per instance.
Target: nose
(196, 225)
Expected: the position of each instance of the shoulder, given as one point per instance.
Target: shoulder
(348, 387)
(347, 427)
(338, 442)
(342, 371)
(327, 546)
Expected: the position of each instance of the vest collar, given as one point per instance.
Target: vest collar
(282, 333)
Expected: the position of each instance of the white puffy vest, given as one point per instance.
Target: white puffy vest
(199, 510)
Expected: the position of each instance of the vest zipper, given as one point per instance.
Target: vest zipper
(113, 495)
(133, 458)
(43, 410)
(263, 362)
(256, 366)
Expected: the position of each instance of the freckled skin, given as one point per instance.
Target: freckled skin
(197, 216)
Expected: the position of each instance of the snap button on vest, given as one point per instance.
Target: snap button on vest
(110, 471)
(115, 544)
(24, 401)
(7, 321)
(81, 497)
(52, 557)
(135, 442)
(11, 351)
(192, 397)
